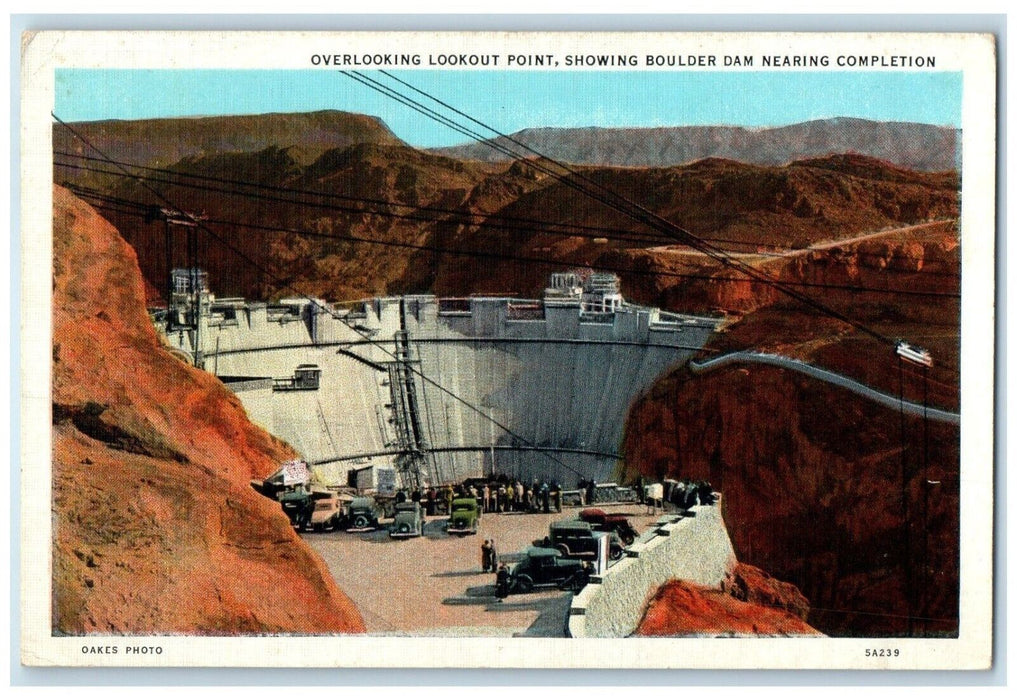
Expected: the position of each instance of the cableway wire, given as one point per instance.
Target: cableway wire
(457, 217)
(605, 196)
(143, 207)
(285, 285)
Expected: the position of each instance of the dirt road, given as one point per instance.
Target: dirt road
(793, 252)
(434, 585)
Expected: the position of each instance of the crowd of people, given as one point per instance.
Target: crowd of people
(495, 494)
(506, 494)
(682, 494)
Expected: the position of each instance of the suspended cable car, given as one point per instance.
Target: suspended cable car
(914, 354)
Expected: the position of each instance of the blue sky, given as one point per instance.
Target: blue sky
(513, 100)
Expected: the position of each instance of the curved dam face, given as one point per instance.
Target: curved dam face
(445, 389)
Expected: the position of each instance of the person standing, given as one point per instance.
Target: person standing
(485, 556)
(494, 556)
(501, 583)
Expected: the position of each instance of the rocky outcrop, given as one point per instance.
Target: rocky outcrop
(753, 585)
(682, 609)
(764, 214)
(156, 528)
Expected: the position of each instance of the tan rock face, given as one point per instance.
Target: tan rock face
(156, 528)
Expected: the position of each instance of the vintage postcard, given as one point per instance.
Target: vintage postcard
(543, 350)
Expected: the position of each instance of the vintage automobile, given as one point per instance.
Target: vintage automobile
(575, 538)
(297, 504)
(610, 522)
(547, 567)
(409, 520)
(465, 517)
(363, 515)
(327, 513)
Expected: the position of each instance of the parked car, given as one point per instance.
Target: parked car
(364, 514)
(409, 520)
(547, 567)
(298, 506)
(610, 522)
(465, 517)
(327, 512)
(575, 538)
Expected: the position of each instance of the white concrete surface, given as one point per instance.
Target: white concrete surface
(695, 549)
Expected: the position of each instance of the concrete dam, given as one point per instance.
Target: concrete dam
(441, 388)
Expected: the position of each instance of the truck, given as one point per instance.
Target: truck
(327, 513)
(375, 479)
(364, 514)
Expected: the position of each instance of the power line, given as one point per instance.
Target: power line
(618, 236)
(458, 217)
(487, 254)
(198, 224)
(618, 202)
(649, 238)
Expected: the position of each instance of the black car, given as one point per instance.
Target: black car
(578, 539)
(547, 567)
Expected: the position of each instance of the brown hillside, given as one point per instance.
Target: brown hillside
(737, 207)
(156, 528)
(161, 142)
(317, 244)
(911, 145)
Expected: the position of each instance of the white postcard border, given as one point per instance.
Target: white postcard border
(973, 55)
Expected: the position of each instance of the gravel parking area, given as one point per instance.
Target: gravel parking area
(433, 585)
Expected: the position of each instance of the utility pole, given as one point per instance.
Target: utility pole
(195, 287)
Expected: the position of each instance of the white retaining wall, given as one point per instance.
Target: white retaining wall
(695, 549)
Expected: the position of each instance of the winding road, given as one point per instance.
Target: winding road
(888, 400)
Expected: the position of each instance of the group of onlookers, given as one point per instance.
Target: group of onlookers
(506, 496)
(680, 493)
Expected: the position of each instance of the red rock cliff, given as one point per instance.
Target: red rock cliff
(813, 492)
(755, 604)
(156, 528)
